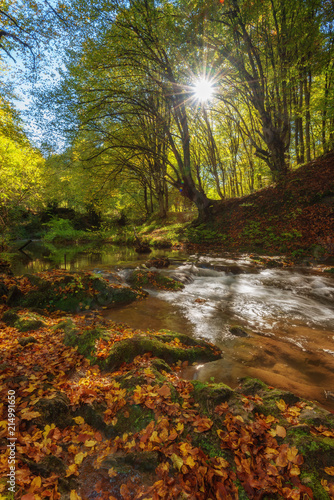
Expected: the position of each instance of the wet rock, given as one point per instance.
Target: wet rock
(55, 411)
(184, 278)
(141, 278)
(238, 331)
(47, 466)
(158, 263)
(27, 340)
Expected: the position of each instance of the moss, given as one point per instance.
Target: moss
(208, 396)
(126, 350)
(317, 453)
(251, 386)
(24, 322)
(93, 414)
(312, 480)
(71, 292)
(132, 419)
(85, 341)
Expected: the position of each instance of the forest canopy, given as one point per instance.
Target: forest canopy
(151, 102)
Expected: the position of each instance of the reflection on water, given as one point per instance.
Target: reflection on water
(38, 257)
(289, 314)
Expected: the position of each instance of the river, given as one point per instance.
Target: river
(287, 313)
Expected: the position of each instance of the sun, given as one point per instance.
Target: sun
(203, 90)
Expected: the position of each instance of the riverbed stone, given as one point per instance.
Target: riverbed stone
(238, 331)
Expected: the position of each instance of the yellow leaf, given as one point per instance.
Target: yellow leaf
(74, 495)
(177, 461)
(79, 457)
(30, 415)
(79, 420)
(72, 469)
(329, 471)
(90, 443)
(270, 419)
(295, 470)
(291, 454)
(190, 461)
(222, 462)
(281, 404)
(35, 484)
(180, 427)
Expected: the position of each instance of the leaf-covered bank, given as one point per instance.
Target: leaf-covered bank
(295, 217)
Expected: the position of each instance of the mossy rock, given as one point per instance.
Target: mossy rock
(251, 386)
(144, 461)
(55, 411)
(47, 465)
(153, 279)
(126, 350)
(70, 292)
(24, 322)
(133, 378)
(208, 396)
(27, 340)
(93, 414)
(131, 419)
(85, 340)
(159, 345)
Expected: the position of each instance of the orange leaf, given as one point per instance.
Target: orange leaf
(329, 471)
(280, 431)
(164, 391)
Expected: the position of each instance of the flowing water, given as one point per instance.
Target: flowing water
(288, 315)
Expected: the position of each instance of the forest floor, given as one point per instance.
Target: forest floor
(92, 409)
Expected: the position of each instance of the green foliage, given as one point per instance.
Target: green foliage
(60, 230)
(204, 234)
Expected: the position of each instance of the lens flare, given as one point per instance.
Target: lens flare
(203, 90)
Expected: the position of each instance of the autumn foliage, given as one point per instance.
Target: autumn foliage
(142, 432)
